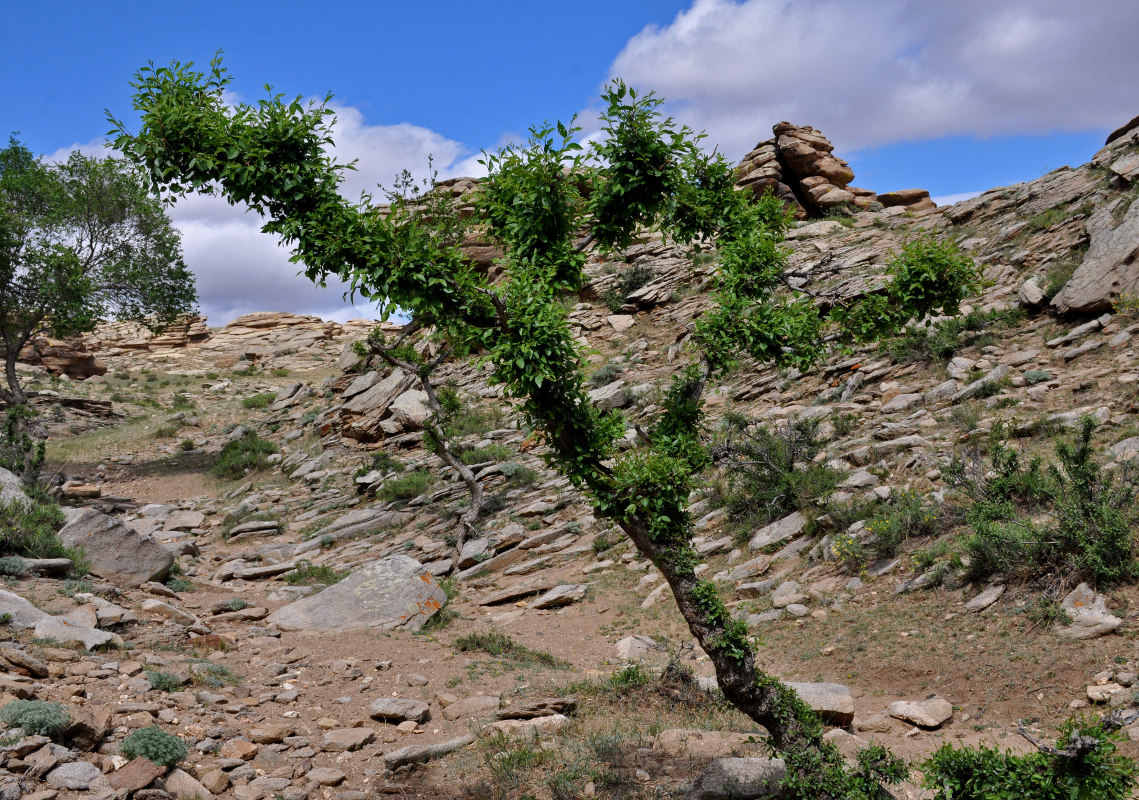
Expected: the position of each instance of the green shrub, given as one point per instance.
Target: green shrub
(908, 516)
(629, 677)
(605, 374)
(383, 462)
(35, 717)
(164, 681)
(939, 343)
(480, 455)
(11, 566)
(245, 454)
(280, 372)
(180, 402)
(406, 486)
(1097, 772)
(1088, 516)
(629, 281)
(519, 475)
(186, 445)
(309, 574)
(1035, 376)
(154, 744)
(32, 531)
(771, 472)
(235, 604)
(165, 432)
(262, 400)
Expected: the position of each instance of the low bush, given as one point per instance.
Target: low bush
(164, 681)
(480, 455)
(907, 516)
(406, 486)
(156, 745)
(939, 343)
(1069, 519)
(1084, 765)
(770, 472)
(498, 644)
(629, 281)
(519, 475)
(605, 374)
(309, 574)
(261, 400)
(180, 402)
(35, 717)
(31, 530)
(247, 454)
(165, 432)
(11, 566)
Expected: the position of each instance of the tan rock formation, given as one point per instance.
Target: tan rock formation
(799, 166)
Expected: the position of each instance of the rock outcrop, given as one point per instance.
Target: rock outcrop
(799, 166)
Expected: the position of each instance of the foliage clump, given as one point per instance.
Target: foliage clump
(309, 574)
(1084, 765)
(407, 486)
(771, 471)
(260, 400)
(155, 744)
(499, 644)
(244, 455)
(35, 717)
(164, 681)
(1070, 519)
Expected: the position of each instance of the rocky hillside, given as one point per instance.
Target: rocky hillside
(273, 576)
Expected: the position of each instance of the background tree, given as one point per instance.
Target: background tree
(80, 242)
(645, 173)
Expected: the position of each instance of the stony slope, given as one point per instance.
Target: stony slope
(314, 713)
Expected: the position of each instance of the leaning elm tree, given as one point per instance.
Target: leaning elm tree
(645, 173)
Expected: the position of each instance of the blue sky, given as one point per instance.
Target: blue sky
(953, 97)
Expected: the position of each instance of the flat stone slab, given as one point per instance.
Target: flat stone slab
(561, 596)
(394, 592)
(531, 729)
(546, 706)
(478, 706)
(985, 598)
(63, 630)
(399, 709)
(929, 713)
(1090, 617)
(415, 754)
(778, 531)
(342, 740)
(518, 592)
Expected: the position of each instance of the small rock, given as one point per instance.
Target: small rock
(929, 713)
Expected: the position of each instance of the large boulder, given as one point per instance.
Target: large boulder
(394, 592)
(116, 551)
(1111, 266)
(740, 779)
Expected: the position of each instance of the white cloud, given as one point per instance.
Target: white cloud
(878, 71)
(950, 199)
(239, 269)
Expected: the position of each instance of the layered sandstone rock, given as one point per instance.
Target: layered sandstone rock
(800, 168)
(59, 357)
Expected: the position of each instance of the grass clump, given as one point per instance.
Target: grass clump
(500, 645)
(180, 402)
(215, 676)
(156, 745)
(480, 455)
(165, 432)
(518, 475)
(309, 574)
(245, 455)
(11, 566)
(1069, 520)
(35, 717)
(406, 486)
(260, 400)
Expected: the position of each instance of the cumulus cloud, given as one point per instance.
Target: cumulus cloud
(880, 71)
(239, 269)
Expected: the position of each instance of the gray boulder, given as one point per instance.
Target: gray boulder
(11, 489)
(116, 551)
(394, 592)
(740, 779)
(1111, 266)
